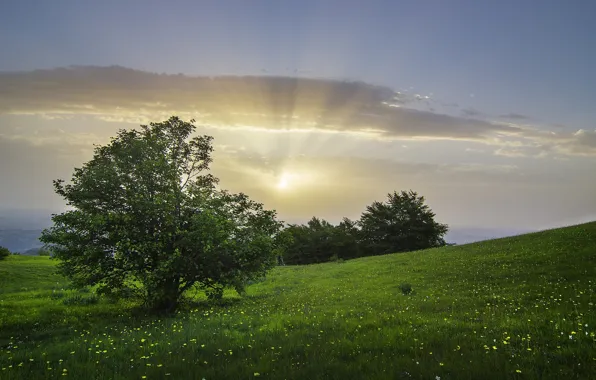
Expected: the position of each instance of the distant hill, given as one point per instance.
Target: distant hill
(465, 235)
(21, 229)
(20, 240)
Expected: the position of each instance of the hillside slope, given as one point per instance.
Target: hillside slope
(520, 307)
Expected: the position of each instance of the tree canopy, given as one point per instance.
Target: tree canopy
(318, 241)
(146, 217)
(402, 223)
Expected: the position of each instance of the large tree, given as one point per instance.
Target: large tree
(146, 217)
(402, 223)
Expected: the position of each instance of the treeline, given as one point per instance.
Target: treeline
(400, 224)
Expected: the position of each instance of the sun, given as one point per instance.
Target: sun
(284, 182)
(290, 181)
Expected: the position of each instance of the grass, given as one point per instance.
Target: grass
(518, 308)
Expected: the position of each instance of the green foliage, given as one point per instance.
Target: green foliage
(80, 299)
(4, 253)
(482, 311)
(215, 293)
(319, 241)
(403, 223)
(147, 219)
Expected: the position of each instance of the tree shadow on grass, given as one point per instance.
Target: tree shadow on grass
(190, 304)
(56, 322)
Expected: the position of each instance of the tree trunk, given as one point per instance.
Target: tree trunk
(165, 295)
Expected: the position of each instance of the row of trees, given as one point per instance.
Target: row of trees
(402, 223)
(146, 218)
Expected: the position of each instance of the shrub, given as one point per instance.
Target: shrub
(4, 253)
(215, 293)
(80, 299)
(406, 288)
(57, 294)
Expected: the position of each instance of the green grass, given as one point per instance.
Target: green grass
(519, 308)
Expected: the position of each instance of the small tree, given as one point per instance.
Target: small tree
(144, 211)
(4, 253)
(403, 223)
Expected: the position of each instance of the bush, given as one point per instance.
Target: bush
(214, 294)
(57, 294)
(4, 253)
(406, 288)
(80, 299)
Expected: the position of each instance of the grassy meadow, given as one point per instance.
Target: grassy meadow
(517, 308)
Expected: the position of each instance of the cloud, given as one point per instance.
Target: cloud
(514, 116)
(581, 143)
(267, 103)
(511, 152)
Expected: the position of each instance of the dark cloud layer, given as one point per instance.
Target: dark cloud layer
(275, 104)
(117, 93)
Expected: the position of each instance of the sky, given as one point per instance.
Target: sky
(318, 108)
